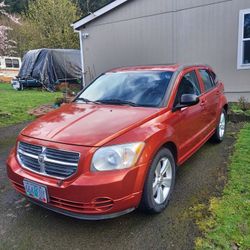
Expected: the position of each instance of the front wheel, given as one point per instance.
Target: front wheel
(160, 182)
(221, 128)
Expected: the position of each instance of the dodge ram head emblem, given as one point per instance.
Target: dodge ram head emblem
(41, 161)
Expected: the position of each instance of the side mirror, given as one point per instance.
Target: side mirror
(189, 100)
(186, 101)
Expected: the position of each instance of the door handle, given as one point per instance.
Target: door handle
(203, 102)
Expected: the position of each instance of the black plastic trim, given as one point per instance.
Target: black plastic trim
(81, 216)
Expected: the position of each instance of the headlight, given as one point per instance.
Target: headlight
(116, 157)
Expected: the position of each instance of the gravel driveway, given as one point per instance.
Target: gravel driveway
(26, 226)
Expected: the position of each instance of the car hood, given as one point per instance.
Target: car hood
(86, 124)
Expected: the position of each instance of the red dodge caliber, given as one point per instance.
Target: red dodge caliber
(116, 147)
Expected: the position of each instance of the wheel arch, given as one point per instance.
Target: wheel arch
(225, 107)
(173, 148)
(169, 145)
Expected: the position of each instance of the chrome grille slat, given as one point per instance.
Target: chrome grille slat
(62, 156)
(28, 154)
(30, 163)
(56, 163)
(55, 167)
(60, 162)
(30, 160)
(33, 150)
(61, 174)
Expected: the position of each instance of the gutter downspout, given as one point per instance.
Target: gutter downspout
(82, 36)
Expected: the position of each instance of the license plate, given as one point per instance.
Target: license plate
(36, 191)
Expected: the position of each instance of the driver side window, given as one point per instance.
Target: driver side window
(188, 85)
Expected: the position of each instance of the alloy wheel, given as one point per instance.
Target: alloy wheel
(162, 180)
(222, 125)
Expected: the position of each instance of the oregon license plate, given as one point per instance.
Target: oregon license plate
(36, 191)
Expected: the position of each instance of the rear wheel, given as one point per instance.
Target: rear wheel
(221, 128)
(160, 182)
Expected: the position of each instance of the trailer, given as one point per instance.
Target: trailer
(9, 68)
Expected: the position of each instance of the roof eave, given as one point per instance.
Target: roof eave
(78, 24)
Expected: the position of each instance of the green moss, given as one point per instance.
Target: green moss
(227, 224)
(14, 105)
(237, 109)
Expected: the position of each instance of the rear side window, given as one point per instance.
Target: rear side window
(189, 85)
(214, 76)
(207, 79)
(15, 63)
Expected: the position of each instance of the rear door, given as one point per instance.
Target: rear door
(211, 98)
(189, 122)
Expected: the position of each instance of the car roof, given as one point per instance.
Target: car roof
(170, 67)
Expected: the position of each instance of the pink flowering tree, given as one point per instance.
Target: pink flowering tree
(7, 45)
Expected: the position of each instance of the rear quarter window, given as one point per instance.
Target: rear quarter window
(207, 79)
(214, 77)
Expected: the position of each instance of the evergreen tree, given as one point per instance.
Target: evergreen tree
(17, 6)
(87, 6)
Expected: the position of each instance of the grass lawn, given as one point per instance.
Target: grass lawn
(15, 104)
(228, 226)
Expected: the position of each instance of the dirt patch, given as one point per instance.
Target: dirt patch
(26, 226)
(41, 110)
(236, 118)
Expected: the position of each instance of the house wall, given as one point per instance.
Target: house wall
(168, 31)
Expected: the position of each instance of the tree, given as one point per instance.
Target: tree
(87, 6)
(17, 6)
(7, 45)
(46, 24)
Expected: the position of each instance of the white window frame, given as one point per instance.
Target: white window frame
(241, 39)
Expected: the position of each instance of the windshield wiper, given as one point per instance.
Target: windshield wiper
(117, 102)
(87, 100)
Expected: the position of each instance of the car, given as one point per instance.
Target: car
(118, 145)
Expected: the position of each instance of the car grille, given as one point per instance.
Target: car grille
(47, 161)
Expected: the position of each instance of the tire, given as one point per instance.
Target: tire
(220, 131)
(156, 200)
(21, 87)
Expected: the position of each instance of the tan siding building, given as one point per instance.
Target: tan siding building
(139, 32)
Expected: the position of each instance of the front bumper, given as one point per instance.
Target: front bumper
(81, 216)
(91, 196)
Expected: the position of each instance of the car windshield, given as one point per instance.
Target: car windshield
(145, 89)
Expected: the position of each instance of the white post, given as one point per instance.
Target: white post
(82, 36)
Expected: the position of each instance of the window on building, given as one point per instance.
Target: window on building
(244, 40)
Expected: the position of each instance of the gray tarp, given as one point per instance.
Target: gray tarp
(50, 66)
